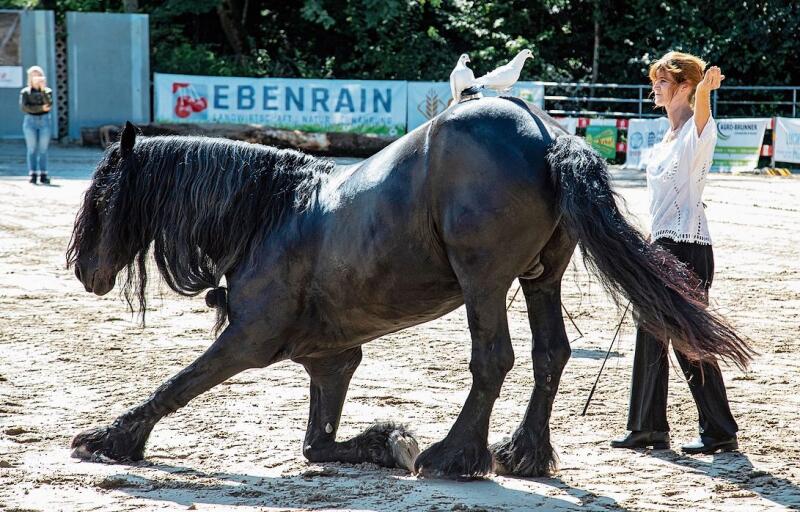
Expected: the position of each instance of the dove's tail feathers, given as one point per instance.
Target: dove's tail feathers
(471, 91)
(668, 297)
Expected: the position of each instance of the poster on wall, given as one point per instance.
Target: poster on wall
(426, 100)
(10, 61)
(738, 144)
(787, 140)
(362, 106)
(643, 134)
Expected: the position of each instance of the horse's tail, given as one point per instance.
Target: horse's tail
(668, 298)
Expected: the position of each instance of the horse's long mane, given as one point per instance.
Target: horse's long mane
(201, 204)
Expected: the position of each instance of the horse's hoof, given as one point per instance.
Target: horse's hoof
(404, 447)
(522, 456)
(447, 459)
(389, 444)
(106, 444)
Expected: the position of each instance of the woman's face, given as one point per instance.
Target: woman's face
(666, 90)
(37, 79)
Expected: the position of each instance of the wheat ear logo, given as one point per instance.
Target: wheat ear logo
(431, 106)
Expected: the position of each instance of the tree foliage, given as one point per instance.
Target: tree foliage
(754, 41)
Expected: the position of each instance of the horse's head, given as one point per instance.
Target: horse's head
(102, 243)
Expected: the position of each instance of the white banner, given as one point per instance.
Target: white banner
(738, 144)
(426, 100)
(363, 106)
(11, 76)
(643, 134)
(787, 140)
(569, 124)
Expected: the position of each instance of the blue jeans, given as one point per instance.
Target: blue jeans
(37, 138)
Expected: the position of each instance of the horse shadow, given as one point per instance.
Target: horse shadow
(345, 486)
(737, 469)
(593, 353)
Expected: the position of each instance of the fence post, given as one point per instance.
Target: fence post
(794, 102)
(640, 101)
(714, 105)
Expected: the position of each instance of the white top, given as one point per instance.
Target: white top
(676, 176)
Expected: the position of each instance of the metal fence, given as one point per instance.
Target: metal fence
(621, 100)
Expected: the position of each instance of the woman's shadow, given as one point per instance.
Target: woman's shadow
(737, 469)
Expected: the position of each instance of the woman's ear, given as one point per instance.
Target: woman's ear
(127, 140)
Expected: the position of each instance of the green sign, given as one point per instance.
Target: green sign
(603, 139)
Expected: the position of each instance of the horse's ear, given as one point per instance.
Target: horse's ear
(127, 140)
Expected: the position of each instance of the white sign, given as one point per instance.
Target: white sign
(363, 106)
(787, 139)
(738, 144)
(643, 134)
(426, 100)
(569, 124)
(11, 76)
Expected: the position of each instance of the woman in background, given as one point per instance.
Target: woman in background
(676, 176)
(36, 100)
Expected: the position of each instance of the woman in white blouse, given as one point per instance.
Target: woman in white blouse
(676, 175)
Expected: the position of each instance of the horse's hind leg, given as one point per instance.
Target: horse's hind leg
(463, 452)
(528, 452)
(234, 350)
(385, 444)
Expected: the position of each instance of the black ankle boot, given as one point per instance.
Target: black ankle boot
(710, 444)
(32, 178)
(643, 439)
(43, 179)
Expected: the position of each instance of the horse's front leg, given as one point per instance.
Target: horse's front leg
(529, 452)
(463, 452)
(235, 350)
(385, 444)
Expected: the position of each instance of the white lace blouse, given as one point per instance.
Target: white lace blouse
(676, 176)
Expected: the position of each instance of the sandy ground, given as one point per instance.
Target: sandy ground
(70, 360)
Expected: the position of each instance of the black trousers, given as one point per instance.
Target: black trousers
(648, 406)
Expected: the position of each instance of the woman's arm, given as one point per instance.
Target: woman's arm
(23, 101)
(48, 100)
(702, 99)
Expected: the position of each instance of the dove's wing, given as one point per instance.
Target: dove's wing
(494, 74)
(460, 79)
(453, 88)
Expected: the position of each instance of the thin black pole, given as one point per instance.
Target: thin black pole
(512, 298)
(571, 320)
(591, 393)
(562, 307)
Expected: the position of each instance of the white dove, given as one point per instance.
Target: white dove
(461, 78)
(504, 77)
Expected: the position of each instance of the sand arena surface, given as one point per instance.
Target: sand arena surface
(70, 360)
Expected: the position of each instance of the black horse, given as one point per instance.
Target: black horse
(319, 259)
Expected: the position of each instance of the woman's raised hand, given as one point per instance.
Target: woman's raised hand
(712, 79)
